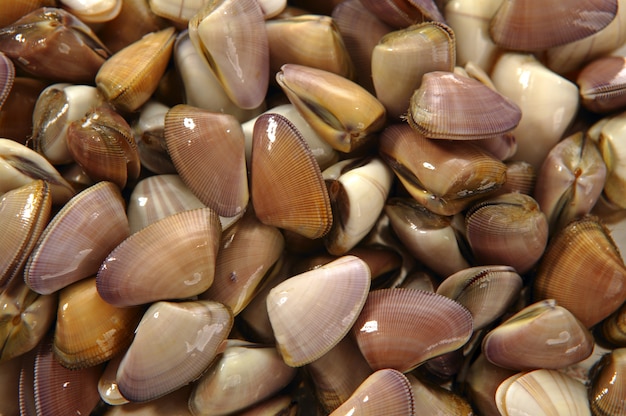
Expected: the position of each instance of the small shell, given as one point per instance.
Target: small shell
(208, 152)
(93, 11)
(442, 96)
(172, 258)
(613, 149)
(63, 256)
(148, 132)
(311, 312)
(602, 84)
(614, 327)
(402, 328)
(191, 335)
(432, 399)
(17, 112)
(287, 187)
(482, 381)
(403, 13)
(7, 77)
(607, 394)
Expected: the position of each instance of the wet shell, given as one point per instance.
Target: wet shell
(602, 84)
(174, 403)
(583, 271)
(432, 399)
(107, 385)
(129, 77)
(63, 256)
(88, 330)
(17, 112)
(172, 258)
(7, 77)
(387, 391)
(607, 394)
(191, 335)
(94, 11)
(207, 150)
(311, 312)
(482, 381)
(614, 327)
(442, 96)
(402, 328)
(530, 26)
(403, 13)
(287, 187)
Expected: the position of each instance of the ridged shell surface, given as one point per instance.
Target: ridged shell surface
(602, 84)
(607, 391)
(7, 76)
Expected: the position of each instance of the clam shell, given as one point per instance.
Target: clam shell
(324, 303)
(7, 77)
(88, 330)
(94, 11)
(17, 112)
(260, 373)
(207, 150)
(402, 13)
(129, 77)
(602, 84)
(174, 403)
(286, 184)
(442, 96)
(613, 150)
(107, 385)
(192, 334)
(148, 132)
(402, 328)
(482, 381)
(432, 399)
(520, 177)
(564, 272)
(606, 393)
(63, 256)
(172, 258)
(614, 327)
(386, 391)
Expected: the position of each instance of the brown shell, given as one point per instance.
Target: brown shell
(401, 328)
(208, 151)
(402, 13)
(172, 258)
(287, 187)
(602, 84)
(7, 77)
(607, 389)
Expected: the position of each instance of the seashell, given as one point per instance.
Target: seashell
(189, 237)
(570, 180)
(424, 167)
(107, 385)
(88, 330)
(260, 373)
(502, 147)
(507, 229)
(231, 36)
(58, 260)
(17, 112)
(563, 274)
(7, 77)
(386, 391)
(207, 150)
(286, 184)
(403, 13)
(402, 57)
(426, 235)
(360, 30)
(606, 393)
(54, 44)
(310, 40)
(13, 10)
(612, 149)
(401, 328)
(542, 392)
(481, 383)
(195, 331)
(21, 165)
(339, 110)
(248, 252)
(24, 212)
(326, 301)
(179, 11)
(129, 77)
(93, 11)
(432, 399)
(25, 318)
(9, 386)
(529, 26)
(542, 335)
(357, 189)
(277, 405)
(148, 133)
(520, 177)
(469, 19)
(174, 403)
(442, 95)
(614, 327)
(537, 91)
(602, 84)
(486, 291)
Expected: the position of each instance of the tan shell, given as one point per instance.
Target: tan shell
(287, 188)
(207, 150)
(402, 13)
(311, 312)
(401, 328)
(602, 84)
(7, 77)
(432, 399)
(172, 258)
(614, 327)
(606, 392)
(63, 256)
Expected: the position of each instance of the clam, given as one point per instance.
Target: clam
(148, 133)
(16, 114)
(339, 110)
(286, 184)
(614, 327)
(402, 13)
(277, 405)
(192, 334)
(611, 145)
(15, 9)
(174, 403)
(606, 393)
(520, 177)
(602, 84)
(564, 273)
(7, 77)
(442, 95)
(58, 259)
(107, 385)
(93, 11)
(402, 328)
(260, 373)
(231, 36)
(54, 44)
(442, 175)
(207, 150)
(129, 77)
(432, 399)
(507, 229)
(325, 302)
(482, 381)
(529, 26)
(402, 57)
(177, 11)
(173, 258)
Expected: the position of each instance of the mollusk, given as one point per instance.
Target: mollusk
(402, 13)
(602, 84)
(7, 77)
(606, 393)
(94, 11)
(610, 142)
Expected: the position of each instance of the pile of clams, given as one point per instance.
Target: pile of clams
(271, 207)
